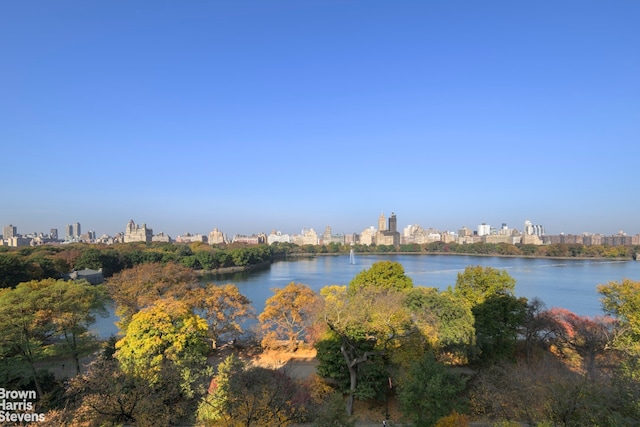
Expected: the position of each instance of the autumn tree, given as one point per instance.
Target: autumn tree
(585, 336)
(224, 308)
(288, 313)
(252, 396)
(164, 334)
(107, 395)
(140, 286)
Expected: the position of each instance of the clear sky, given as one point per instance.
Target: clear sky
(257, 115)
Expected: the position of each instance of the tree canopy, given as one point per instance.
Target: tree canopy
(382, 274)
(476, 283)
(289, 313)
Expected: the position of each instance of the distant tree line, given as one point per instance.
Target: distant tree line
(49, 261)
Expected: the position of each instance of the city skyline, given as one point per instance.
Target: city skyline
(480, 228)
(286, 115)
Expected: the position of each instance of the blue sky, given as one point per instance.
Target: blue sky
(250, 116)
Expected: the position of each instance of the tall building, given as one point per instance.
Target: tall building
(9, 231)
(393, 223)
(389, 236)
(533, 230)
(484, 229)
(68, 232)
(326, 236)
(216, 237)
(381, 222)
(53, 234)
(137, 233)
(77, 232)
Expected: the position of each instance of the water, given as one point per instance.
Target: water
(569, 284)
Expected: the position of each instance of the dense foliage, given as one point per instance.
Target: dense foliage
(471, 351)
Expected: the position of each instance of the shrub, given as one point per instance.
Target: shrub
(453, 420)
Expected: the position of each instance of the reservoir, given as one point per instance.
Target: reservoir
(566, 283)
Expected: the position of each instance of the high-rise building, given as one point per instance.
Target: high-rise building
(393, 223)
(484, 229)
(68, 232)
(53, 234)
(76, 230)
(9, 231)
(389, 236)
(381, 222)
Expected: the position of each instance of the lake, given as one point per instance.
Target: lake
(570, 284)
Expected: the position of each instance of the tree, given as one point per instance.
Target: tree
(582, 335)
(73, 307)
(140, 286)
(382, 274)
(47, 317)
(224, 308)
(289, 312)
(499, 318)
(13, 270)
(252, 396)
(165, 333)
(429, 390)
(477, 283)
(26, 328)
(107, 395)
(367, 324)
(622, 300)
(454, 321)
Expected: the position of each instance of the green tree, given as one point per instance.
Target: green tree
(13, 270)
(47, 317)
(369, 324)
(26, 329)
(477, 283)
(429, 390)
(73, 307)
(90, 258)
(382, 274)
(455, 331)
(499, 318)
(622, 301)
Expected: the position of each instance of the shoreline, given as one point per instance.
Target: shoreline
(236, 269)
(300, 255)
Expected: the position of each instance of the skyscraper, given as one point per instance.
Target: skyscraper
(381, 222)
(9, 231)
(76, 230)
(393, 223)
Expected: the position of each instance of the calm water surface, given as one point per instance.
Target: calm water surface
(570, 284)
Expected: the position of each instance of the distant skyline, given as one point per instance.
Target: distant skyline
(252, 116)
